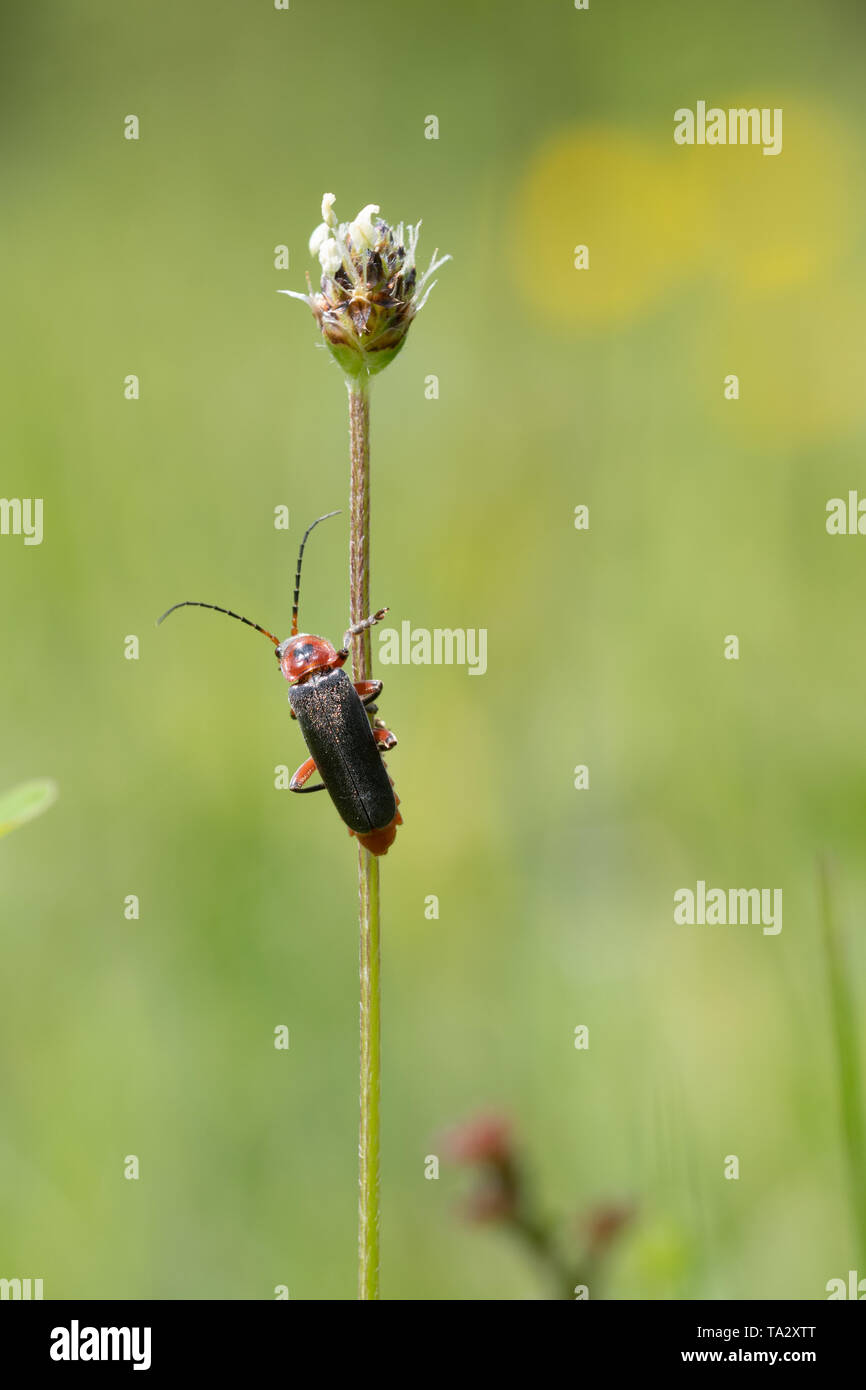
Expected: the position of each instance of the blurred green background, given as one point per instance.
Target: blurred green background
(557, 387)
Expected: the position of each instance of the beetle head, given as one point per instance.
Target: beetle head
(301, 655)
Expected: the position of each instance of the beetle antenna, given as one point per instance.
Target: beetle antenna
(298, 574)
(192, 603)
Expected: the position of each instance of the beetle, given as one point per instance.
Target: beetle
(334, 717)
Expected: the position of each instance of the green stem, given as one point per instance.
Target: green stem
(539, 1238)
(368, 1143)
(847, 1058)
(359, 524)
(368, 864)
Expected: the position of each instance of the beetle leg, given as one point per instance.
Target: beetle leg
(357, 628)
(368, 690)
(385, 739)
(303, 775)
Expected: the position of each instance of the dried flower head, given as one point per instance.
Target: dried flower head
(485, 1143)
(486, 1138)
(370, 289)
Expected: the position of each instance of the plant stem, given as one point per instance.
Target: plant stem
(368, 1142)
(359, 524)
(844, 1018)
(368, 864)
(539, 1238)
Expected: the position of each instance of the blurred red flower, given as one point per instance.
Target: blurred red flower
(483, 1139)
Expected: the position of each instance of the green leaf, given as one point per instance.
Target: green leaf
(24, 802)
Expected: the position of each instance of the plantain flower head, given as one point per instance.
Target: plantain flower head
(370, 290)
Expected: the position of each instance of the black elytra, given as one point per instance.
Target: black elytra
(336, 730)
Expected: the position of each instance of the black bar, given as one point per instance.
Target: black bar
(277, 1337)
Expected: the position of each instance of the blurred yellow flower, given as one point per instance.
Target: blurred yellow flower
(625, 200)
(651, 215)
(778, 222)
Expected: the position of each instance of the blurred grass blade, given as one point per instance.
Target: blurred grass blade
(843, 1014)
(25, 802)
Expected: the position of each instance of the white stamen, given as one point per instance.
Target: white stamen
(362, 232)
(330, 256)
(319, 235)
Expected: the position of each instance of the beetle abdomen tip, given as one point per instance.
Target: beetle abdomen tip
(380, 841)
